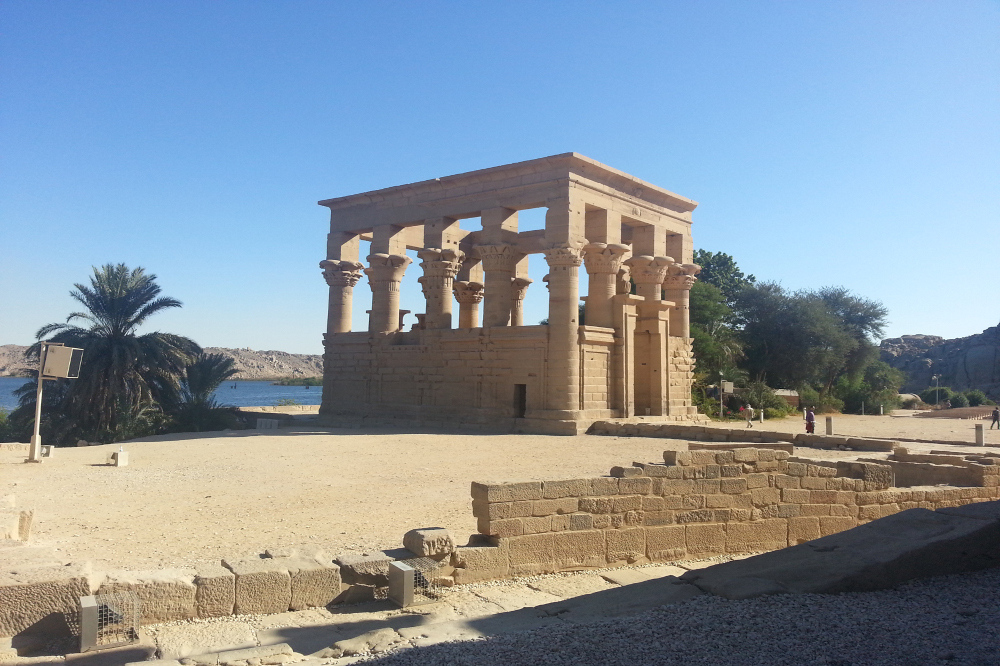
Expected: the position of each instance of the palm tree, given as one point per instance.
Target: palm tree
(124, 375)
(198, 410)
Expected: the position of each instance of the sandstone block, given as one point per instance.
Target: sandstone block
(501, 510)
(783, 481)
(531, 554)
(570, 488)
(768, 534)
(166, 594)
(833, 524)
(708, 486)
(757, 480)
(602, 521)
(682, 458)
(795, 496)
(42, 599)
(635, 486)
(480, 563)
(803, 529)
(623, 503)
(665, 543)
(626, 472)
(500, 528)
(604, 485)
(215, 591)
(733, 486)
(747, 455)
(507, 492)
(765, 496)
(724, 458)
(823, 496)
(789, 510)
(677, 486)
(581, 521)
(429, 542)
(814, 509)
(702, 457)
(596, 504)
(627, 544)
(366, 569)
(729, 471)
(705, 540)
(813, 483)
(536, 525)
(262, 587)
(718, 501)
(549, 507)
(652, 518)
(653, 503)
(573, 549)
(796, 469)
(315, 582)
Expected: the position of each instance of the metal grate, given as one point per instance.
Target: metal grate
(109, 620)
(412, 582)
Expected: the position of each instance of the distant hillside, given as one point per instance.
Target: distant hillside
(963, 363)
(251, 364)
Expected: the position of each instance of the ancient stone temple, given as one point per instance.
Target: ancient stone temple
(630, 357)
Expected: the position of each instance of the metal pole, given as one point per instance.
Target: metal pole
(720, 396)
(35, 452)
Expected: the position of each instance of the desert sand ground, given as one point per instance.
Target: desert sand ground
(190, 498)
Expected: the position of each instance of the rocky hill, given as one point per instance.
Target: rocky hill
(252, 364)
(963, 363)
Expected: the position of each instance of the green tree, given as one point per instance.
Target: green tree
(976, 398)
(720, 269)
(198, 410)
(716, 345)
(125, 377)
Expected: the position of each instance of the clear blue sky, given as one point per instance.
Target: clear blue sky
(828, 143)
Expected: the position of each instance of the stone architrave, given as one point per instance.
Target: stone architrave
(603, 261)
(499, 264)
(519, 288)
(385, 272)
(469, 295)
(677, 286)
(564, 295)
(341, 276)
(440, 267)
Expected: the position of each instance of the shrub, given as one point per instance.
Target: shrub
(933, 396)
(773, 413)
(959, 400)
(286, 402)
(975, 398)
(915, 403)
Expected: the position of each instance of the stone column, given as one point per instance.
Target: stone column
(678, 285)
(440, 268)
(499, 262)
(469, 295)
(563, 373)
(519, 287)
(603, 262)
(651, 341)
(341, 276)
(385, 272)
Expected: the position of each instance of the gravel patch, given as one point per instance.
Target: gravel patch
(947, 620)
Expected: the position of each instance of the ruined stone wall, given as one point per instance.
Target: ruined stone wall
(698, 504)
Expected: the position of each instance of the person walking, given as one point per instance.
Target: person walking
(996, 418)
(811, 420)
(749, 414)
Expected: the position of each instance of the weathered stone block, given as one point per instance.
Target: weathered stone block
(757, 480)
(579, 549)
(733, 486)
(596, 504)
(803, 529)
(536, 525)
(682, 458)
(429, 542)
(365, 569)
(705, 540)
(761, 535)
(813, 483)
(765, 496)
(627, 544)
(581, 521)
(747, 455)
(569, 488)
(718, 501)
(729, 471)
(653, 503)
(814, 509)
(783, 481)
(262, 586)
(40, 600)
(789, 510)
(315, 582)
(531, 554)
(215, 591)
(501, 528)
(665, 543)
(708, 486)
(604, 485)
(166, 594)
(501, 510)
(702, 457)
(624, 503)
(549, 507)
(833, 524)
(507, 492)
(626, 472)
(635, 486)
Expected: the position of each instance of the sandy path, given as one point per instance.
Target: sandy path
(185, 499)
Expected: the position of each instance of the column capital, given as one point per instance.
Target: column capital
(341, 273)
(604, 258)
(441, 263)
(468, 292)
(563, 255)
(386, 267)
(649, 270)
(498, 256)
(681, 276)
(520, 287)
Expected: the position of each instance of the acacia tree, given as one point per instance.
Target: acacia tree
(124, 376)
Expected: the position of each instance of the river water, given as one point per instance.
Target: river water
(236, 394)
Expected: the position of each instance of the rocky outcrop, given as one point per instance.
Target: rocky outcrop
(251, 364)
(963, 363)
(12, 361)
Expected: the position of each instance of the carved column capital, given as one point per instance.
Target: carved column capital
(563, 255)
(468, 292)
(498, 257)
(441, 263)
(386, 268)
(341, 273)
(681, 276)
(519, 287)
(604, 258)
(649, 270)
